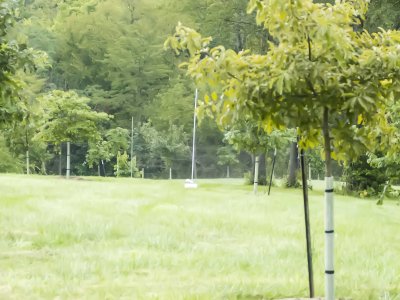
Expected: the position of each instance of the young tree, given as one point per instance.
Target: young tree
(227, 157)
(319, 75)
(68, 118)
(247, 135)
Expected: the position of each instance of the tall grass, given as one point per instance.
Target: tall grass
(143, 239)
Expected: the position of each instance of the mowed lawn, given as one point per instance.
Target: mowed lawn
(145, 239)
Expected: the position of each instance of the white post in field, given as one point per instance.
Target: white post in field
(132, 148)
(170, 173)
(256, 167)
(194, 135)
(68, 159)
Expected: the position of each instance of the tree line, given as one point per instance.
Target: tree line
(109, 54)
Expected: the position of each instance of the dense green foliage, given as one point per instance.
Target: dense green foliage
(111, 52)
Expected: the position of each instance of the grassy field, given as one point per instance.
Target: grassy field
(144, 239)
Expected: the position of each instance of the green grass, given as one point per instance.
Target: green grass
(143, 239)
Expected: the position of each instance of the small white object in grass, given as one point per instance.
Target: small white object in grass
(190, 184)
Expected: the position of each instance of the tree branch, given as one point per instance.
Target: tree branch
(309, 48)
(233, 76)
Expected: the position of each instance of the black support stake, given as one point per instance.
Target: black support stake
(272, 172)
(307, 223)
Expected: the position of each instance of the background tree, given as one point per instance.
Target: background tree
(68, 118)
(227, 156)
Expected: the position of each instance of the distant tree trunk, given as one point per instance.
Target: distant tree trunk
(262, 170)
(27, 162)
(43, 169)
(68, 160)
(170, 173)
(293, 165)
(256, 168)
(103, 168)
(264, 42)
(329, 224)
(60, 161)
(227, 171)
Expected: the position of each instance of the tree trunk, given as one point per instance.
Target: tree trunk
(227, 171)
(27, 162)
(170, 173)
(43, 169)
(104, 168)
(68, 159)
(256, 167)
(262, 170)
(329, 222)
(293, 165)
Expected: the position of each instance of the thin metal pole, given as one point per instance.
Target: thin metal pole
(307, 223)
(132, 149)
(194, 133)
(272, 172)
(68, 159)
(60, 161)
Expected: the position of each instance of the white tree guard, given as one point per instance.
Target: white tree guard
(329, 240)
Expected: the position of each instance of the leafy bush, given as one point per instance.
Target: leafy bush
(8, 163)
(364, 180)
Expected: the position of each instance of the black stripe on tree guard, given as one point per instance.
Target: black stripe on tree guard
(330, 272)
(329, 231)
(329, 191)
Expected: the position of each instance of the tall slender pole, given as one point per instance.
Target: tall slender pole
(194, 134)
(307, 223)
(60, 161)
(272, 172)
(27, 151)
(68, 159)
(132, 149)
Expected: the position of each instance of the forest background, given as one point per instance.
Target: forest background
(109, 54)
